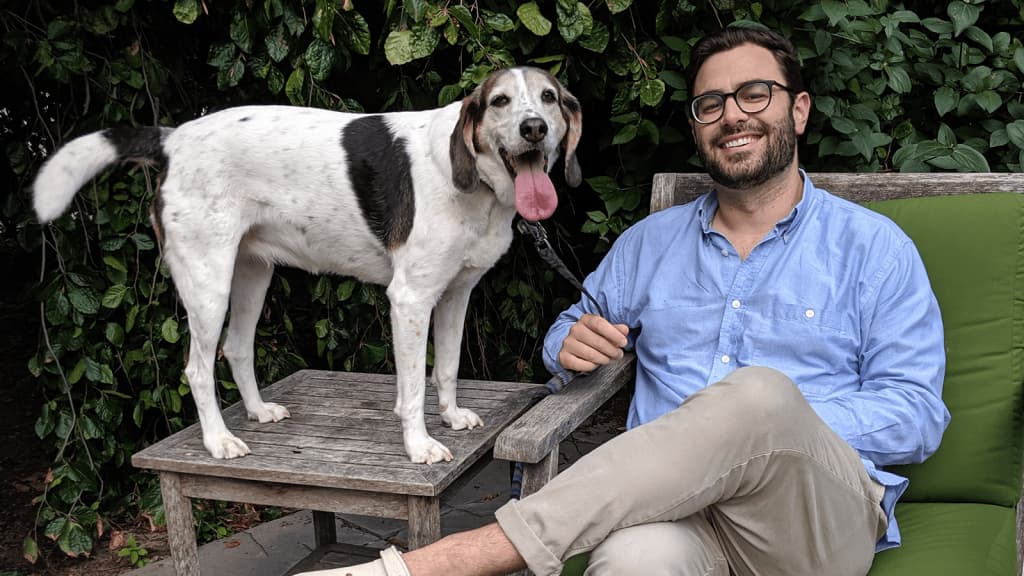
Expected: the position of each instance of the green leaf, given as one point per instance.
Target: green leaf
(186, 11)
(239, 32)
(529, 14)
(963, 15)
(320, 58)
(75, 541)
(1018, 58)
(898, 79)
(1015, 131)
(358, 36)
(30, 549)
(115, 263)
(597, 39)
(276, 42)
(465, 18)
(497, 21)
(967, 159)
(402, 47)
(114, 334)
(616, 6)
(989, 101)
(979, 36)
(574, 21)
(83, 299)
(651, 91)
(626, 134)
(416, 9)
(143, 241)
(293, 87)
(169, 330)
(323, 19)
(344, 291)
(945, 100)
(226, 78)
(275, 80)
(843, 125)
(221, 55)
(835, 10)
(938, 25)
(77, 371)
(114, 295)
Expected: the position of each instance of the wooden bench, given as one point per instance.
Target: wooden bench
(340, 452)
(957, 516)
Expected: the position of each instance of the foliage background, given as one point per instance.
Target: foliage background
(912, 86)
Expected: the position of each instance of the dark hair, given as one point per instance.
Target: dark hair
(729, 38)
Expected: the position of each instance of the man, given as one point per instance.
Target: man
(789, 346)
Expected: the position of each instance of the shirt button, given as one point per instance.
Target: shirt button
(725, 252)
(725, 359)
(735, 303)
(809, 313)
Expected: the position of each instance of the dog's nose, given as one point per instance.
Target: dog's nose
(533, 129)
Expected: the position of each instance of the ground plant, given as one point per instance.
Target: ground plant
(897, 86)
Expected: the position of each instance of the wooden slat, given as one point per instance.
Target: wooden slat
(335, 441)
(540, 430)
(327, 500)
(670, 189)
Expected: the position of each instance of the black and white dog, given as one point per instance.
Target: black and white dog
(421, 202)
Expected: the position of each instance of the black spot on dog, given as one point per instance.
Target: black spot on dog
(379, 169)
(243, 119)
(144, 142)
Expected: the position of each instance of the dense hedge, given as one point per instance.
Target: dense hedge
(912, 86)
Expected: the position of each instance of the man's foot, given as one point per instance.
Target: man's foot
(390, 564)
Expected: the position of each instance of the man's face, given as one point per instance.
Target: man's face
(742, 150)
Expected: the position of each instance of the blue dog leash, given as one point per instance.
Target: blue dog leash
(556, 383)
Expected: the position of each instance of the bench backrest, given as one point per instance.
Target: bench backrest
(969, 229)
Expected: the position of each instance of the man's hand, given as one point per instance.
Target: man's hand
(592, 341)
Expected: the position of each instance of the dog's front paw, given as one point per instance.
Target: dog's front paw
(224, 446)
(268, 412)
(427, 451)
(461, 418)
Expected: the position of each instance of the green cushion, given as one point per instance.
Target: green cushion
(952, 540)
(973, 249)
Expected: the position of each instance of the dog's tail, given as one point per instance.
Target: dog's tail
(80, 160)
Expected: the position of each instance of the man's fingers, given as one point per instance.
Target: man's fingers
(592, 341)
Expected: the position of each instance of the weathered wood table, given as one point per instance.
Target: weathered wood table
(341, 451)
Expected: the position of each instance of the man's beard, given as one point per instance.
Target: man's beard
(781, 149)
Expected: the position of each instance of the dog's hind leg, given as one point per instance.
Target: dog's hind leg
(410, 320)
(248, 290)
(449, 318)
(203, 282)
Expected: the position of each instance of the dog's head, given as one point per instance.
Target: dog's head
(510, 132)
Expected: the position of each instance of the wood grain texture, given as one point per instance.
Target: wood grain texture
(532, 437)
(181, 534)
(343, 434)
(670, 189)
(424, 521)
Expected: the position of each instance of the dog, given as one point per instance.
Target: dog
(421, 202)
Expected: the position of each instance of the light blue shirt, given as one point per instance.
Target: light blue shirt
(835, 297)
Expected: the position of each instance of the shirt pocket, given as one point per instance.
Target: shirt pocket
(815, 346)
(672, 331)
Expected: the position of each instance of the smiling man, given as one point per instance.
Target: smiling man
(789, 347)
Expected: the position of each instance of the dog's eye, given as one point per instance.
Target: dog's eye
(548, 96)
(499, 100)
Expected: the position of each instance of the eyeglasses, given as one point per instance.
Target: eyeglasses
(752, 97)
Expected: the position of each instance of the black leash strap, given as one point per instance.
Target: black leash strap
(540, 241)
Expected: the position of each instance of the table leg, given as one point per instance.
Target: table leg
(181, 533)
(324, 528)
(424, 520)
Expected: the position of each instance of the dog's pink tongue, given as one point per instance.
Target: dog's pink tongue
(535, 194)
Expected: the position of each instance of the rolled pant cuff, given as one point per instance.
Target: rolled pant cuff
(538, 558)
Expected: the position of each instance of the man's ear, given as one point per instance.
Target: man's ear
(462, 149)
(573, 115)
(801, 111)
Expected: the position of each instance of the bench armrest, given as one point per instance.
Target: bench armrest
(538, 432)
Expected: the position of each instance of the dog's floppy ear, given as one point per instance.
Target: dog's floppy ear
(574, 128)
(463, 149)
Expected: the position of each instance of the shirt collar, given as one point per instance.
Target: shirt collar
(708, 204)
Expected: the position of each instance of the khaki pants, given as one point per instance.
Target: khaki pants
(742, 478)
